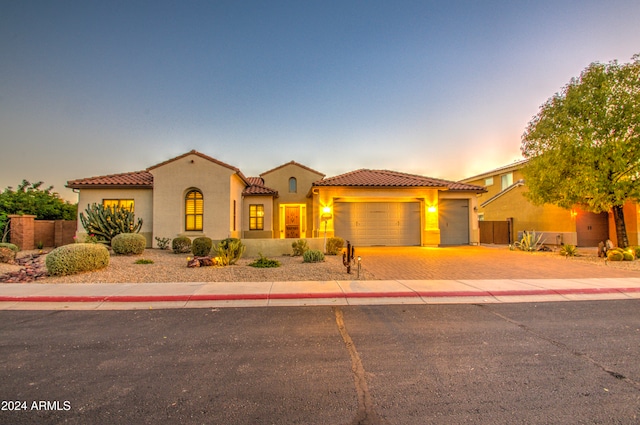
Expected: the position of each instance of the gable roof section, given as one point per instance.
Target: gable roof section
(504, 192)
(203, 156)
(294, 163)
(257, 187)
(387, 178)
(501, 170)
(133, 180)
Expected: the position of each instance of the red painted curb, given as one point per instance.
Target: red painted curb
(320, 295)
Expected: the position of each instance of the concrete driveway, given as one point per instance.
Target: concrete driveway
(482, 262)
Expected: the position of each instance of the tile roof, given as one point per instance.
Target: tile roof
(136, 179)
(257, 187)
(203, 156)
(293, 163)
(387, 178)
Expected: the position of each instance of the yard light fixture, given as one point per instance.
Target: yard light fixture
(326, 216)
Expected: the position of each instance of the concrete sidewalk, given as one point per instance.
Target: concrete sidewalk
(125, 296)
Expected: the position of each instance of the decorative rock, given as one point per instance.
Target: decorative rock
(33, 269)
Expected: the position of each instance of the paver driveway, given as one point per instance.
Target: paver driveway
(477, 262)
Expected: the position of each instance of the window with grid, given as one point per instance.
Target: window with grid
(114, 203)
(256, 217)
(194, 209)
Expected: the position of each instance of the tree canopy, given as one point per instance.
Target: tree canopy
(30, 198)
(583, 145)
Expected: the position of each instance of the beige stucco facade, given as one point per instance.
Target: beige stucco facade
(143, 206)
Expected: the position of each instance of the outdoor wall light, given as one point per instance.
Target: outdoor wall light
(431, 209)
(326, 210)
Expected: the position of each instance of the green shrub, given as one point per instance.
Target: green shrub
(299, 247)
(201, 247)
(628, 256)
(181, 245)
(264, 262)
(76, 258)
(7, 255)
(636, 251)
(334, 245)
(128, 244)
(313, 256)
(530, 242)
(143, 261)
(230, 250)
(163, 243)
(11, 246)
(569, 250)
(615, 254)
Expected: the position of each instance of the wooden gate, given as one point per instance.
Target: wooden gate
(495, 232)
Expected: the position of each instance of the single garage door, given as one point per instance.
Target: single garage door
(454, 221)
(378, 223)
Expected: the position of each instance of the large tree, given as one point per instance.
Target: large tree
(583, 145)
(30, 198)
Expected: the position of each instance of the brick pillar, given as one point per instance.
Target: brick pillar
(22, 231)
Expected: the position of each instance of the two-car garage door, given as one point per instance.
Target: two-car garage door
(378, 223)
(398, 223)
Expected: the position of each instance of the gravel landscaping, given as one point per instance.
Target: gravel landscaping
(170, 267)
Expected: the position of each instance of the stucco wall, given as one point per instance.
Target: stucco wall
(174, 179)
(142, 206)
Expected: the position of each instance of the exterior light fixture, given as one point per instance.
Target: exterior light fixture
(431, 209)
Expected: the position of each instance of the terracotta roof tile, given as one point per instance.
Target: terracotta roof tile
(136, 179)
(257, 187)
(386, 178)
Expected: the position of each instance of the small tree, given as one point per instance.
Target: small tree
(30, 198)
(107, 222)
(583, 145)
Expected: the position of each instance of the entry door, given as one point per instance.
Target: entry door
(292, 222)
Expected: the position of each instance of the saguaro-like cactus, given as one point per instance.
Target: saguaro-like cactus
(107, 222)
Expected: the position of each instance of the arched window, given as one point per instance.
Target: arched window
(293, 185)
(193, 210)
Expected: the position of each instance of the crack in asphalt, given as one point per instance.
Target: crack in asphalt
(366, 414)
(564, 347)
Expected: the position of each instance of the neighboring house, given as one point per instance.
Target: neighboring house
(504, 213)
(196, 195)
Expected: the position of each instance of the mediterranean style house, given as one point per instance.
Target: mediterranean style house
(504, 213)
(196, 195)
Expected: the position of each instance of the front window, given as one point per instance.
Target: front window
(507, 180)
(194, 209)
(127, 204)
(293, 185)
(256, 217)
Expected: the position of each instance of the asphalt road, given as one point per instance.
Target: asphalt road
(564, 362)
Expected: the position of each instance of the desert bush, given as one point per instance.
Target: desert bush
(128, 244)
(334, 245)
(163, 243)
(11, 246)
(143, 261)
(230, 250)
(615, 254)
(201, 247)
(569, 250)
(107, 222)
(76, 258)
(7, 255)
(313, 256)
(299, 247)
(530, 242)
(264, 262)
(181, 245)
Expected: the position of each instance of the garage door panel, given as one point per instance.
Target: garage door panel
(454, 221)
(378, 223)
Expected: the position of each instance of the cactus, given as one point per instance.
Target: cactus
(107, 222)
(230, 250)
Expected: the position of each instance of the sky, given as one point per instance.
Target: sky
(443, 89)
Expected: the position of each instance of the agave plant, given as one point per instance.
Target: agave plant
(530, 242)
